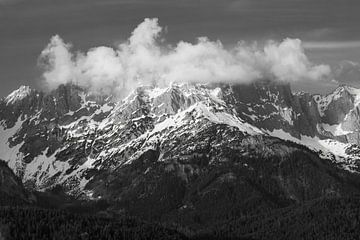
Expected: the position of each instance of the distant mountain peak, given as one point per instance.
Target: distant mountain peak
(18, 95)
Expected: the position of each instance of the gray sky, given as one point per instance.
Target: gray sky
(330, 29)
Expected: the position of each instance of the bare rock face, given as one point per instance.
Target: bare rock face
(340, 114)
(273, 106)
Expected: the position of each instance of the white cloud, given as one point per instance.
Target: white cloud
(288, 62)
(142, 59)
(100, 68)
(57, 61)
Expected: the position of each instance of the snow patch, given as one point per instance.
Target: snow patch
(338, 149)
(156, 92)
(228, 119)
(18, 95)
(335, 130)
(11, 155)
(43, 168)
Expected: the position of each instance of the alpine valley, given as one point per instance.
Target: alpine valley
(214, 161)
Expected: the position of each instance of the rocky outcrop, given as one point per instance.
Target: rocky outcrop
(272, 106)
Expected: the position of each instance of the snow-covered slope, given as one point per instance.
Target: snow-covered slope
(72, 137)
(69, 131)
(18, 95)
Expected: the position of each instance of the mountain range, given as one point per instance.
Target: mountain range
(188, 154)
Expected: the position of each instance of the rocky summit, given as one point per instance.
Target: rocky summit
(198, 152)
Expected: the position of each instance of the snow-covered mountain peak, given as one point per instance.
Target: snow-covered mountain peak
(155, 101)
(72, 133)
(18, 95)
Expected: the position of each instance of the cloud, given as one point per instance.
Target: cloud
(144, 59)
(288, 62)
(347, 72)
(57, 61)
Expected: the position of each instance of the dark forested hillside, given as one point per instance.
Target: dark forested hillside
(327, 218)
(32, 223)
(12, 191)
(334, 218)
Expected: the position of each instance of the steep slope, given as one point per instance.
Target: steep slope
(326, 124)
(218, 179)
(58, 140)
(79, 139)
(12, 191)
(33, 126)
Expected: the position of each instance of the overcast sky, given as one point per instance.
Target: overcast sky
(329, 29)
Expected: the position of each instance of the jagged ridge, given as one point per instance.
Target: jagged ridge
(70, 136)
